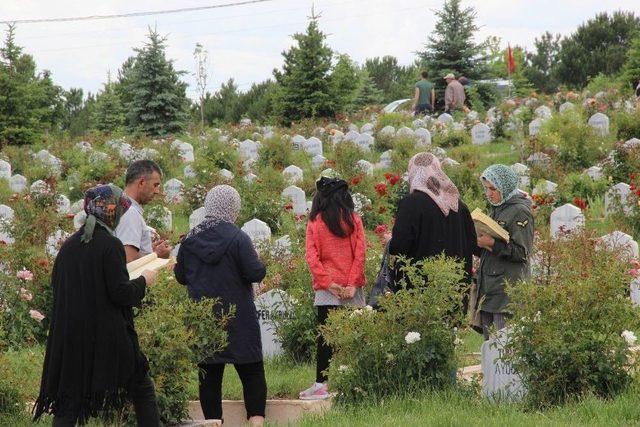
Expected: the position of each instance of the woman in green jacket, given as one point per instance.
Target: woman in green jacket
(502, 262)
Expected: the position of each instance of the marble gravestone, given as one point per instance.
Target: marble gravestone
(5, 170)
(365, 166)
(365, 141)
(313, 146)
(423, 135)
(595, 172)
(173, 190)
(480, 134)
(6, 218)
(500, 381)
(196, 217)
(18, 183)
(445, 118)
(600, 122)
(619, 241)
(258, 231)
(298, 199)
(270, 306)
(298, 141)
(617, 197)
(293, 173)
(54, 241)
(566, 219)
(534, 127)
(385, 159)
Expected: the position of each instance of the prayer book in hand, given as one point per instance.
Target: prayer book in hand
(147, 262)
(486, 225)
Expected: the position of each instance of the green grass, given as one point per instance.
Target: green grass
(456, 408)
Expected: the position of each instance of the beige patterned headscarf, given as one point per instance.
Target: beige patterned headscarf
(221, 205)
(426, 175)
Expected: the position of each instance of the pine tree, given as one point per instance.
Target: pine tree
(631, 69)
(305, 84)
(29, 102)
(344, 81)
(367, 92)
(158, 105)
(108, 112)
(451, 48)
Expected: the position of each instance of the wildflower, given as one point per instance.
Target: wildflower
(356, 180)
(25, 275)
(579, 202)
(381, 189)
(536, 317)
(412, 337)
(36, 315)
(25, 295)
(457, 342)
(368, 308)
(629, 337)
(343, 368)
(356, 312)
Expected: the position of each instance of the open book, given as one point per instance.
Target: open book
(485, 225)
(147, 262)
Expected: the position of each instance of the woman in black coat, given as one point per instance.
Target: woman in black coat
(93, 363)
(217, 260)
(432, 219)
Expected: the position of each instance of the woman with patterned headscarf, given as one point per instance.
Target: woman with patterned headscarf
(93, 364)
(432, 219)
(501, 261)
(218, 260)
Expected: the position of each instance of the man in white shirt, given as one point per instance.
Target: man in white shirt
(142, 183)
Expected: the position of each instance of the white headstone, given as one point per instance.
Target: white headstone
(566, 107)
(77, 206)
(5, 170)
(257, 230)
(365, 166)
(445, 118)
(600, 122)
(617, 197)
(248, 149)
(388, 131)
(543, 112)
(523, 172)
(250, 177)
(83, 146)
(385, 159)
(566, 219)
(97, 157)
(367, 128)
(491, 113)
(6, 218)
(54, 242)
(365, 141)
(337, 136)
(318, 161)
(79, 220)
(450, 162)
(6, 212)
(270, 305)
(352, 136)
(298, 198)
(480, 134)
(472, 115)
(544, 187)
(188, 172)
(622, 242)
(163, 215)
(405, 132)
(226, 174)
(293, 173)
(539, 159)
(282, 246)
(423, 135)
(458, 126)
(595, 172)
(39, 187)
(352, 127)
(173, 190)
(500, 381)
(635, 291)
(246, 122)
(196, 217)
(418, 123)
(534, 127)
(632, 143)
(298, 141)
(63, 204)
(18, 183)
(313, 146)
(126, 151)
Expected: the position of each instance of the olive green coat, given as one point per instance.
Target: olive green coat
(508, 262)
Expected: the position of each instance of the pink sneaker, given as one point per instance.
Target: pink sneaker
(315, 392)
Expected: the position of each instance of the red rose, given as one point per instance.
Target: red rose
(356, 180)
(380, 229)
(381, 189)
(581, 203)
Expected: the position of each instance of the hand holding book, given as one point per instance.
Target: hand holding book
(486, 225)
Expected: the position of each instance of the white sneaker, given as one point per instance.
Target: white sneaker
(318, 391)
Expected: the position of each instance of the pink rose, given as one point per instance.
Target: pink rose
(25, 295)
(36, 315)
(25, 275)
(635, 272)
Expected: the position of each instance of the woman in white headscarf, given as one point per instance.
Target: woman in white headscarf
(432, 219)
(217, 260)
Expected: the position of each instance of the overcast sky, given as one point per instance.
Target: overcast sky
(245, 42)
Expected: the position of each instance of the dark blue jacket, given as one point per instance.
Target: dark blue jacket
(221, 262)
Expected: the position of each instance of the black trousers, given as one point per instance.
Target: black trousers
(324, 351)
(254, 388)
(143, 396)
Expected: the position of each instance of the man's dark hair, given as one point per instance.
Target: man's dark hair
(424, 74)
(141, 168)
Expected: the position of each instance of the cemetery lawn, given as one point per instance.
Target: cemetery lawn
(463, 408)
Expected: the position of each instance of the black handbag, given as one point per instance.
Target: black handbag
(384, 281)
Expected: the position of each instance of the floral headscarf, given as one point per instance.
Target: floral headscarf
(504, 179)
(426, 175)
(221, 205)
(104, 205)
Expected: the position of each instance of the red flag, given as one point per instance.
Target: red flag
(511, 62)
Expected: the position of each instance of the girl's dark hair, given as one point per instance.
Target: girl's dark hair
(337, 210)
